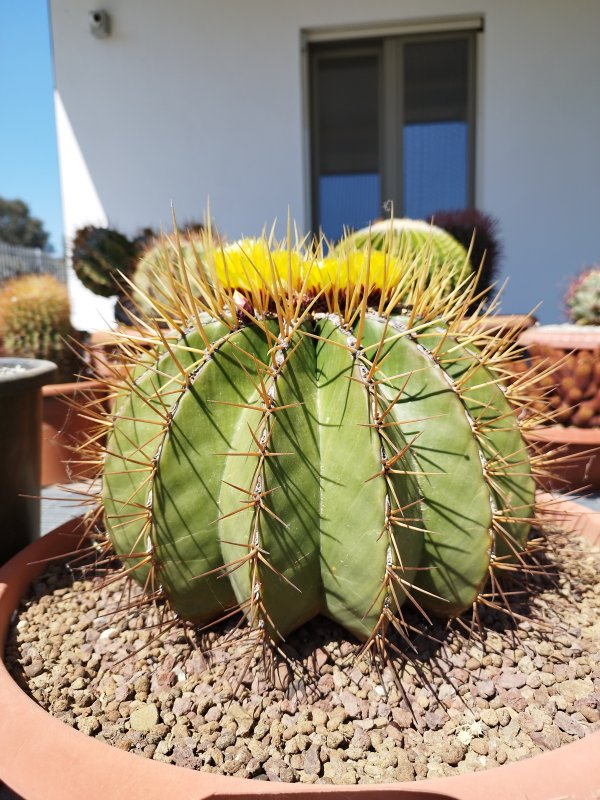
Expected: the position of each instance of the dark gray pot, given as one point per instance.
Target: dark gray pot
(20, 448)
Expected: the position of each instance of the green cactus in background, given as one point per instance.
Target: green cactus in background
(480, 233)
(413, 239)
(159, 260)
(35, 322)
(100, 256)
(583, 297)
(317, 435)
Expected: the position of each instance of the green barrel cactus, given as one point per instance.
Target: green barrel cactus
(431, 247)
(100, 257)
(583, 297)
(157, 267)
(300, 442)
(35, 321)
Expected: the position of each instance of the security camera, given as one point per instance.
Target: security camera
(99, 23)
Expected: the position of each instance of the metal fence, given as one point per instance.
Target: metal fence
(15, 260)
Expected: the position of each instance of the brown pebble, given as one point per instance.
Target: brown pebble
(123, 744)
(144, 718)
(512, 680)
(569, 725)
(312, 762)
(34, 669)
(452, 753)
(503, 715)
(402, 718)
(534, 680)
(89, 725)
(479, 746)
(591, 714)
(486, 689)
(277, 770)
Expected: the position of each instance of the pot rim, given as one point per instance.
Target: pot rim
(73, 387)
(565, 337)
(561, 434)
(29, 735)
(37, 372)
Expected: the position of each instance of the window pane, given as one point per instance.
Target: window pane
(350, 201)
(435, 133)
(435, 168)
(346, 125)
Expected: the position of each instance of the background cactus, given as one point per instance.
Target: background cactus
(477, 232)
(414, 240)
(268, 458)
(582, 299)
(158, 260)
(35, 322)
(99, 256)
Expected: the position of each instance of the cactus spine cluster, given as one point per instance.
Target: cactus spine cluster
(35, 318)
(583, 297)
(316, 435)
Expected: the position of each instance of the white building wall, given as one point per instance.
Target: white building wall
(195, 98)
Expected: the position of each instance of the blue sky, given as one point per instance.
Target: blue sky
(28, 158)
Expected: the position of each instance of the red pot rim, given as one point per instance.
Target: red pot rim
(559, 434)
(75, 387)
(42, 758)
(567, 337)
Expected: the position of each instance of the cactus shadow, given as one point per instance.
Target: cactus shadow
(430, 660)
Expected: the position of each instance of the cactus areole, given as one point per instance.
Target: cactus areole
(316, 436)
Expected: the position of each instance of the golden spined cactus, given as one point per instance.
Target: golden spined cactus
(35, 321)
(302, 435)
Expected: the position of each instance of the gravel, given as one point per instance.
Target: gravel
(6, 371)
(202, 700)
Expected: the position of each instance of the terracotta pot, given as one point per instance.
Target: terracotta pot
(578, 447)
(563, 337)
(43, 759)
(503, 324)
(579, 452)
(574, 517)
(63, 428)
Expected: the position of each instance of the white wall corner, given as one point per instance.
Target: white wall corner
(88, 311)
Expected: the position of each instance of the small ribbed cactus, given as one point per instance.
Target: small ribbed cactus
(160, 259)
(35, 321)
(100, 257)
(430, 247)
(316, 436)
(583, 297)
